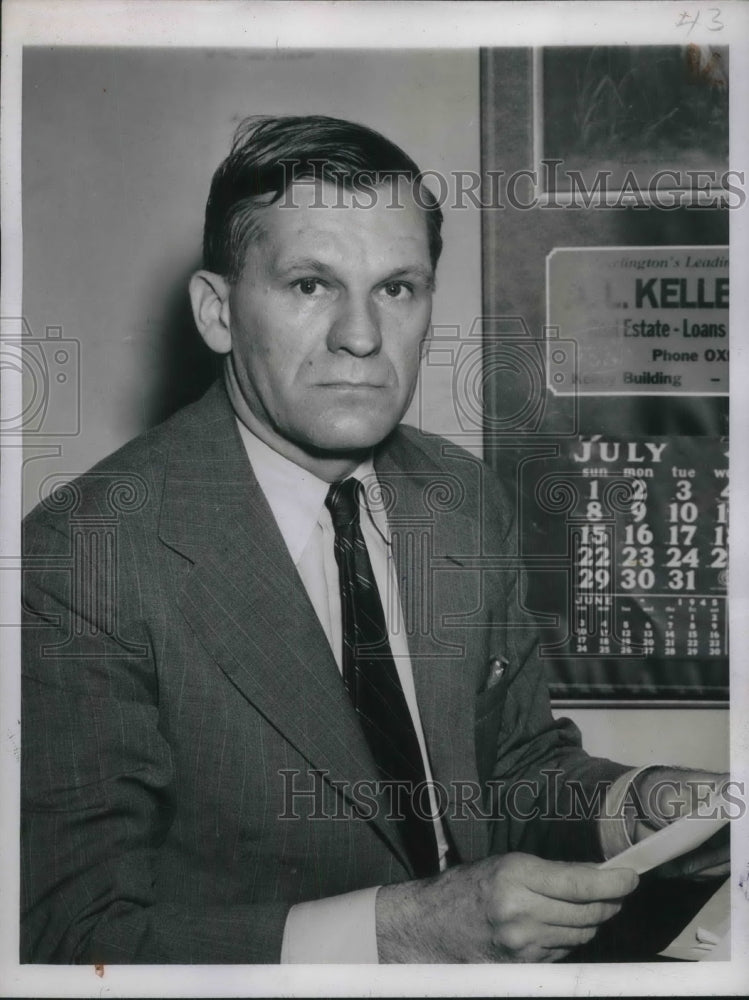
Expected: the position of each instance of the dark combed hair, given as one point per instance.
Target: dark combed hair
(270, 153)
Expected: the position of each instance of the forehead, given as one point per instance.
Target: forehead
(379, 225)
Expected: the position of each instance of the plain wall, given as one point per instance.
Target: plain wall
(690, 737)
(118, 151)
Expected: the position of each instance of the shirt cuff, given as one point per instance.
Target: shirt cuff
(335, 930)
(616, 827)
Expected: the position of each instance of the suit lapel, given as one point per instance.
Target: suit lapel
(244, 600)
(428, 542)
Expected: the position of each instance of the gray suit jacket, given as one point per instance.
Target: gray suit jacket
(179, 692)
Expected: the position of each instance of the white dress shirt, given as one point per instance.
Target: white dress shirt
(341, 929)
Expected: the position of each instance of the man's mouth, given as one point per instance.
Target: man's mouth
(343, 384)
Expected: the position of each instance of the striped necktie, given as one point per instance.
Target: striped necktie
(372, 682)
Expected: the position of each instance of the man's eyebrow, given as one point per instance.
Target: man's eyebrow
(302, 264)
(426, 274)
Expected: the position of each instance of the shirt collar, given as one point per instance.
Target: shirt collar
(296, 497)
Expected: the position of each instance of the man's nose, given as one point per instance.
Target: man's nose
(356, 328)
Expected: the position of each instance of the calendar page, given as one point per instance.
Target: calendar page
(627, 547)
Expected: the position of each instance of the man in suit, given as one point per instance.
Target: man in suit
(280, 700)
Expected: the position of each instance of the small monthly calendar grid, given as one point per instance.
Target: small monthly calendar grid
(644, 526)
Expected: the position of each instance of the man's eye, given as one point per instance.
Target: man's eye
(308, 286)
(396, 289)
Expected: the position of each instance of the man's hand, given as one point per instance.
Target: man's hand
(667, 794)
(514, 908)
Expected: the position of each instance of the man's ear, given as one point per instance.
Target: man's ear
(209, 295)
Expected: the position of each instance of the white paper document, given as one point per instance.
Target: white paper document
(679, 837)
(706, 937)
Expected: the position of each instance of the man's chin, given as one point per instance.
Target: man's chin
(347, 441)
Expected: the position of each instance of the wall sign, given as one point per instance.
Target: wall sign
(646, 320)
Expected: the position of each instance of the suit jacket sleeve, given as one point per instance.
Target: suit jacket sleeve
(96, 777)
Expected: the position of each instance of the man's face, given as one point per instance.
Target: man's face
(327, 320)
